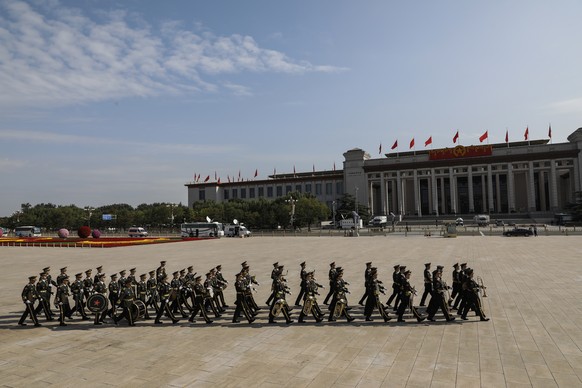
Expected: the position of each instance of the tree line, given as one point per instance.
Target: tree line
(295, 210)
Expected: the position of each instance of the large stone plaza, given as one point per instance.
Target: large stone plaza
(534, 337)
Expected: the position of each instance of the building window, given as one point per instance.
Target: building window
(270, 191)
(318, 189)
(261, 192)
(328, 188)
(202, 195)
(279, 191)
(288, 189)
(339, 188)
(298, 188)
(234, 193)
(226, 193)
(252, 192)
(308, 187)
(243, 193)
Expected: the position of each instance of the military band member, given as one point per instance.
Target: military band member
(133, 279)
(62, 275)
(395, 284)
(121, 280)
(62, 300)
(367, 277)
(427, 284)
(274, 276)
(339, 296)
(153, 298)
(223, 283)
(216, 291)
(331, 274)
(127, 297)
(438, 299)
(472, 289)
(28, 297)
(406, 299)
(198, 305)
(99, 287)
(279, 302)
(310, 305)
(241, 286)
(98, 274)
(250, 281)
(161, 271)
(164, 289)
(113, 295)
(303, 277)
(43, 294)
(456, 283)
(142, 293)
(209, 301)
(88, 284)
(77, 291)
(375, 289)
(176, 299)
(459, 298)
(51, 283)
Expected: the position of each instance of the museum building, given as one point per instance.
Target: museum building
(535, 177)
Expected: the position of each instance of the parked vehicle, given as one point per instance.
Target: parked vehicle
(349, 223)
(137, 232)
(202, 229)
(481, 219)
(27, 231)
(379, 221)
(236, 231)
(518, 232)
(459, 221)
(499, 223)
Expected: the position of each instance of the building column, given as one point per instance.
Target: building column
(383, 194)
(452, 184)
(497, 194)
(371, 197)
(443, 202)
(542, 189)
(400, 190)
(434, 192)
(471, 194)
(417, 206)
(531, 193)
(491, 206)
(553, 187)
(510, 189)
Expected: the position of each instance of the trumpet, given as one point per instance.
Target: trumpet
(482, 286)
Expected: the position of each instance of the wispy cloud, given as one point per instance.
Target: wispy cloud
(57, 56)
(57, 138)
(573, 105)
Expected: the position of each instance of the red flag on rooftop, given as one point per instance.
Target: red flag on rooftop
(483, 136)
(550, 131)
(507, 135)
(256, 172)
(228, 177)
(333, 166)
(526, 134)
(428, 141)
(294, 170)
(380, 149)
(218, 180)
(395, 144)
(207, 178)
(412, 143)
(215, 176)
(456, 137)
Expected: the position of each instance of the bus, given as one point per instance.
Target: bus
(202, 229)
(27, 231)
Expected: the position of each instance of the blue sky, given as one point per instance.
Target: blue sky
(123, 102)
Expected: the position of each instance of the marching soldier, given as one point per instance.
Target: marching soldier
(303, 276)
(216, 291)
(152, 285)
(310, 299)
(367, 277)
(142, 293)
(62, 275)
(250, 281)
(62, 300)
(198, 306)
(77, 290)
(28, 297)
(472, 297)
(274, 278)
(133, 279)
(456, 283)
(98, 274)
(209, 301)
(427, 284)
(460, 294)
(50, 283)
(88, 284)
(375, 288)
(331, 274)
(406, 298)
(127, 297)
(122, 279)
(438, 299)
(280, 289)
(164, 292)
(43, 294)
(222, 283)
(100, 287)
(113, 295)
(339, 296)
(241, 287)
(161, 271)
(395, 284)
(176, 285)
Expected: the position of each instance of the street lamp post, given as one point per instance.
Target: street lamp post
(292, 202)
(89, 211)
(333, 208)
(171, 206)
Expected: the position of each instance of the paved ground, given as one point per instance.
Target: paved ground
(533, 339)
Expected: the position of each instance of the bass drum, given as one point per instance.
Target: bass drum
(137, 310)
(97, 303)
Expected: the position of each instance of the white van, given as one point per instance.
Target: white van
(137, 232)
(236, 231)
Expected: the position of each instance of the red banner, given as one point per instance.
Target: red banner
(460, 152)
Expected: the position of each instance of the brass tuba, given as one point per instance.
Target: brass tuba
(482, 286)
(308, 304)
(340, 305)
(279, 305)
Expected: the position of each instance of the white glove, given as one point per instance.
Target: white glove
(27, 302)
